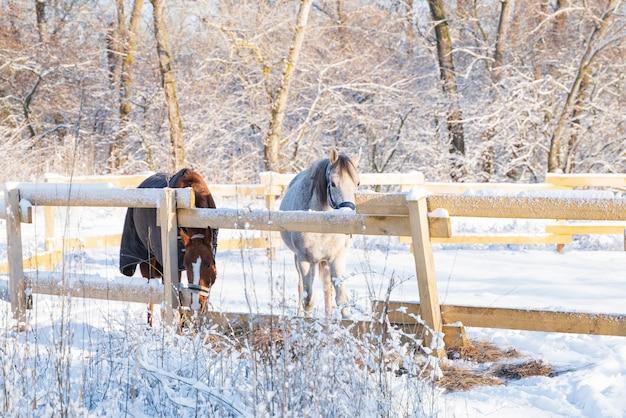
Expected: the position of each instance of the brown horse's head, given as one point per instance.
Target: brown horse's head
(200, 246)
(199, 262)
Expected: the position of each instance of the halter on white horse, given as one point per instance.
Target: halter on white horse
(331, 200)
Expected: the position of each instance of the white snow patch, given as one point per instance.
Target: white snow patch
(571, 194)
(439, 213)
(416, 193)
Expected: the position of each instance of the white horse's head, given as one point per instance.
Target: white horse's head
(336, 180)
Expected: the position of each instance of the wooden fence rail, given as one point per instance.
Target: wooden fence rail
(91, 195)
(500, 206)
(399, 312)
(611, 180)
(92, 286)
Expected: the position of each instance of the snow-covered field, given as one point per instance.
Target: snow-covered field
(590, 276)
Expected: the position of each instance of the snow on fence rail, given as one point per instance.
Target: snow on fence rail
(303, 221)
(95, 195)
(93, 286)
(501, 206)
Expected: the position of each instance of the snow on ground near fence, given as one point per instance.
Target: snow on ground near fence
(581, 280)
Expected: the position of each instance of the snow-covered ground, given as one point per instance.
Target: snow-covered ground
(590, 276)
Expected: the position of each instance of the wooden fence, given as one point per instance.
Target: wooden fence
(391, 214)
(272, 186)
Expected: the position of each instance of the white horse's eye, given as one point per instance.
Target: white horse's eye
(333, 184)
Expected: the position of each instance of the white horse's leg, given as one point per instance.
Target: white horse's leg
(328, 288)
(307, 275)
(300, 286)
(337, 272)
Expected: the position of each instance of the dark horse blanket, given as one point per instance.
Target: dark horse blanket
(141, 238)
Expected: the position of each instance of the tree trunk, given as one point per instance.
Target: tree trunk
(169, 85)
(42, 20)
(410, 24)
(554, 155)
(448, 78)
(572, 144)
(501, 37)
(462, 14)
(342, 18)
(126, 82)
(487, 158)
(272, 144)
(560, 21)
(517, 16)
(118, 38)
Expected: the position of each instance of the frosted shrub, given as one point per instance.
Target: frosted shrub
(295, 368)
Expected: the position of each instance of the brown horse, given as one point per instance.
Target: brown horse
(141, 244)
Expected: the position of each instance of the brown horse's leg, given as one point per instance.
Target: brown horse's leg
(184, 315)
(150, 271)
(150, 311)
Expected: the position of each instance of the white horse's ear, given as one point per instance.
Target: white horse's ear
(333, 156)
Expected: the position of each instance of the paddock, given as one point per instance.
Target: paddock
(416, 214)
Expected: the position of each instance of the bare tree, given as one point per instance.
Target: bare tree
(125, 108)
(570, 152)
(487, 158)
(42, 20)
(560, 20)
(169, 85)
(410, 23)
(448, 78)
(590, 53)
(352, 87)
(118, 38)
(341, 21)
(501, 38)
(272, 145)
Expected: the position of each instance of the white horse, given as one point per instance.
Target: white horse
(327, 185)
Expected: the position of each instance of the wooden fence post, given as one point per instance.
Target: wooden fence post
(425, 268)
(169, 247)
(17, 286)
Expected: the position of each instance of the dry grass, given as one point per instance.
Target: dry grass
(464, 377)
(265, 340)
(529, 368)
(461, 379)
(481, 352)
(456, 377)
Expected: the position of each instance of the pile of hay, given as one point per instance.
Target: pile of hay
(483, 364)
